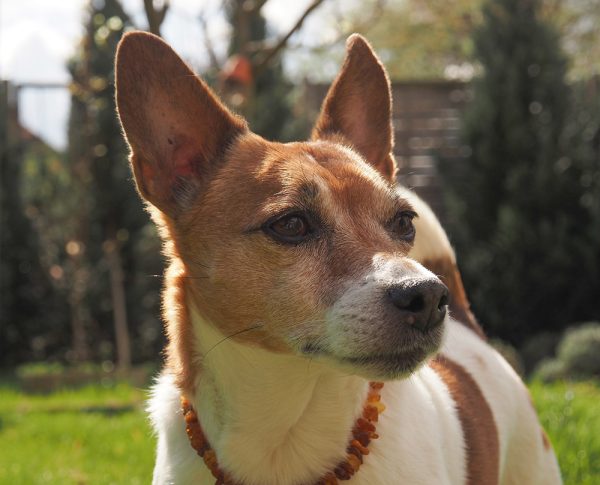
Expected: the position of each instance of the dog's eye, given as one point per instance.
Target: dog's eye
(402, 226)
(291, 228)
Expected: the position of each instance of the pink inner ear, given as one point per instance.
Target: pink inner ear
(185, 158)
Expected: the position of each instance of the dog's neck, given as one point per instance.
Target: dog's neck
(272, 418)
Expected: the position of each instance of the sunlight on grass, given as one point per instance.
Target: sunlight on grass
(570, 414)
(93, 435)
(100, 435)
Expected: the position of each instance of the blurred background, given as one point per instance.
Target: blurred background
(497, 126)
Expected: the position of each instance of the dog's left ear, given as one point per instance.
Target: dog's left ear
(176, 127)
(358, 106)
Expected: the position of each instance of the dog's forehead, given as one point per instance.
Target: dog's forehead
(325, 169)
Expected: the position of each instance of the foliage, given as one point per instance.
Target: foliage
(580, 350)
(569, 414)
(105, 254)
(524, 223)
(537, 348)
(578, 355)
(28, 305)
(420, 39)
(550, 370)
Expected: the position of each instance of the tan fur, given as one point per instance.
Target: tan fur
(479, 427)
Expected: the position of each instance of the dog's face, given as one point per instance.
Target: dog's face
(300, 247)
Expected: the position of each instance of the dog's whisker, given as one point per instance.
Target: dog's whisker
(235, 334)
(180, 276)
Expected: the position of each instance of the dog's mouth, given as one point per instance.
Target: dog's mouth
(385, 365)
(389, 366)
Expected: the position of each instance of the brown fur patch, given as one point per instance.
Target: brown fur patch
(546, 440)
(477, 420)
(458, 304)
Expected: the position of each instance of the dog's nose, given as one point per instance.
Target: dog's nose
(421, 303)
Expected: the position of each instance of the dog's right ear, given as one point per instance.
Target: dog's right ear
(358, 106)
(176, 127)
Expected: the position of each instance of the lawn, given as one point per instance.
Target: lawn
(100, 435)
(95, 435)
(570, 413)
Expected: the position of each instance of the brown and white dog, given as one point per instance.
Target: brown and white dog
(294, 280)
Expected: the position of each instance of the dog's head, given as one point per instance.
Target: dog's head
(300, 247)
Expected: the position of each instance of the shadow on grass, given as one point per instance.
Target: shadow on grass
(106, 410)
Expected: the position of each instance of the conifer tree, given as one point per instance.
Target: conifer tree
(110, 219)
(517, 217)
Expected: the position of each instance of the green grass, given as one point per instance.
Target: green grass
(94, 435)
(100, 435)
(570, 413)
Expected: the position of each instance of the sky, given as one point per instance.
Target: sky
(37, 37)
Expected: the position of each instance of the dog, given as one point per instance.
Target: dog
(302, 298)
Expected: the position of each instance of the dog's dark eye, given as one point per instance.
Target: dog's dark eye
(291, 228)
(402, 226)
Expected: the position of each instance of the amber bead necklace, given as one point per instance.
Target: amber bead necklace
(362, 434)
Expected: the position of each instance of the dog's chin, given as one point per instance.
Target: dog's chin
(385, 366)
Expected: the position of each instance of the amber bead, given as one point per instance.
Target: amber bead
(379, 406)
(364, 425)
(370, 413)
(354, 462)
(329, 479)
(343, 472)
(362, 437)
(353, 450)
(360, 447)
(190, 417)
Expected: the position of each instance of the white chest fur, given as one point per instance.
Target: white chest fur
(285, 420)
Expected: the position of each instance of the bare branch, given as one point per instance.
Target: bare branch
(155, 16)
(272, 52)
(363, 26)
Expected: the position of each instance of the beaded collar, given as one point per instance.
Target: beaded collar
(362, 434)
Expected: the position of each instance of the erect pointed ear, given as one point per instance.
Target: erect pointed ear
(177, 129)
(358, 106)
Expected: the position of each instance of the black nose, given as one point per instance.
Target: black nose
(421, 303)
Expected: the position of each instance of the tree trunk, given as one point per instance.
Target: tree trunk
(117, 291)
(79, 311)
